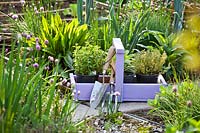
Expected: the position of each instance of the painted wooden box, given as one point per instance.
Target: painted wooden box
(129, 92)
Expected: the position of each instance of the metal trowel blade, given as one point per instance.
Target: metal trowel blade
(98, 91)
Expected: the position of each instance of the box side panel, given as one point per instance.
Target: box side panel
(85, 90)
(140, 92)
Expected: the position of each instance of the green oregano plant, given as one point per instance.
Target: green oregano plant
(88, 59)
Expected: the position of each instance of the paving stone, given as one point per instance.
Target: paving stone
(83, 110)
(133, 106)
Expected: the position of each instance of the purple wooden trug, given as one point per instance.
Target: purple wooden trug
(129, 92)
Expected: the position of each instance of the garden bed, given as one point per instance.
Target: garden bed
(35, 74)
(146, 115)
(7, 7)
(125, 123)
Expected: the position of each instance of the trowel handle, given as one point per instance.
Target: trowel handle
(112, 75)
(111, 53)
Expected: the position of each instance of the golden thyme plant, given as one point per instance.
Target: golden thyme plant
(149, 62)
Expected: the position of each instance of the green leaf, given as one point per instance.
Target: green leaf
(80, 11)
(45, 25)
(74, 9)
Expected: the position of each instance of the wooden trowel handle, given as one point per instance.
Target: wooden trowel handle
(111, 53)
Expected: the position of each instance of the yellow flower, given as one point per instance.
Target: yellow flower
(193, 23)
(189, 40)
(193, 60)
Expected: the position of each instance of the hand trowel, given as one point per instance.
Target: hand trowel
(99, 89)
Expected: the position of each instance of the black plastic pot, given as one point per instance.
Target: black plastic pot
(130, 78)
(86, 78)
(141, 78)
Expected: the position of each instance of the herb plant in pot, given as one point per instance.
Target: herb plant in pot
(129, 71)
(148, 64)
(88, 62)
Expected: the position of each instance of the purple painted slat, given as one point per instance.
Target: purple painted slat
(140, 92)
(85, 91)
(119, 74)
(117, 43)
(84, 88)
(72, 79)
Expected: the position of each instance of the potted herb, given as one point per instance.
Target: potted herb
(129, 71)
(148, 64)
(88, 62)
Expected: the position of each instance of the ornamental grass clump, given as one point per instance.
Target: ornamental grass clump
(149, 62)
